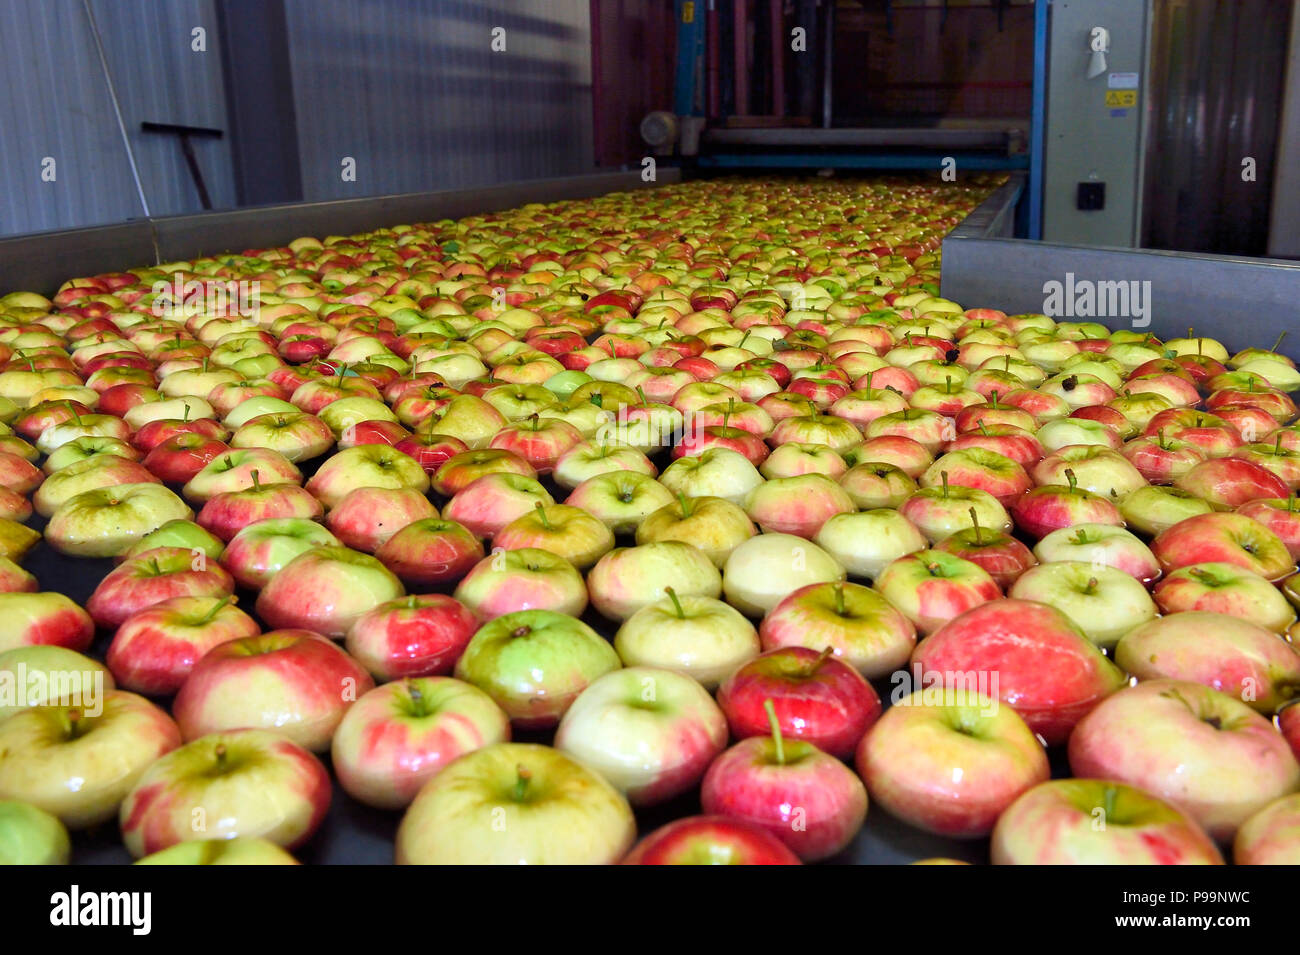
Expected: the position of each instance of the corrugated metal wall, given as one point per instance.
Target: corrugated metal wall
(414, 92)
(54, 103)
(411, 89)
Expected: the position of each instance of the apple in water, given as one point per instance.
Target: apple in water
(260, 551)
(32, 836)
(1098, 822)
(1228, 483)
(710, 840)
(326, 589)
(238, 851)
(1205, 752)
(651, 732)
(1000, 554)
(295, 682)
(524, 579)
(873, 484)
(42, 674)
(866, 542)
(1225, 589)
(367, 517)
(243, 783)
(110, 521)
(939, 512)
(702, 637)
(1103, 602)
(1046, 669)
(949, 760)
(570, 532)
(1288, 721)
(516, 803)
(806, 798)
(1153, 510)
(715, 472)
(1282, 517)
(1101, 545)
(366, 465)
(227, 513)
(629, 578)
(38, 619)
(1223, 538)
(534, 663)
(817, 698)
(930, 587)
(620, 499)
(1271, 836)
(153, 576)
(1051, 507)
(797, 505)
(412, 636)
(762, 570)
(714, 525)
(490, 502)
(154, 649)
(398, 736)
(430, 553)
(78, 762)
(1227, 653)
(860, 626)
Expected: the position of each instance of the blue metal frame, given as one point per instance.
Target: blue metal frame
(1038, 121)
(690, 54)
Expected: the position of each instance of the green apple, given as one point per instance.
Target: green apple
(109, 521)
(516, 803)
(702, 637)
(246, 850)
(1103, 602)
(38, 672)
(180, 533)
(534, 663)
(31, 836)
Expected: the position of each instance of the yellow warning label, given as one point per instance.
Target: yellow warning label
(1119, 99)
(688, 12)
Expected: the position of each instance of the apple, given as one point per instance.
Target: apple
(32, 836)
(1223, 538)
(1044, 666)
(651, 732)
(227, 513)
(238, 851)
(179, 533)
(461, 470)
(949, 760)
(865, 542)
(154, 649)
(762, 570)
(1103, 602)
(817, 698)
(246, 783)
(107, 522)
(1282, 517)
(715, 472)
(39, 619)
(1162, 459)
(1225, 589)
(803, 796)
(178, 459)
(873, 484)
(398, 736)
(523, 579)
(629, 578)
(1271, 836)
(569, 532)
(710, 840)
(859, 626)
(295, 682)
(366, 465)
(534, 663)
(516, 803)
(295, 435)
(1097, 822)
(712, 524)
(368, 516)
(44, 674)
(930, 587)
(235, 472)
(699, 636)
(326, 589)
(411, 636)
(78, 765)
(1223, 652)
(622, 500)
(982, 469)
(1228, 483)
(587, 460)
(1205, 752)
(1101, 545)
(1153, 510)
(490, 502)
(261, 550)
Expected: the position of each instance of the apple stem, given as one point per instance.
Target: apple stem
(839, 598)
(815, 665)
(1277, 443)
(216, 609)
(994, 397)
(776, 730)
(74, 718)
(975, 521)
(687, 507)
(522, 779)
(541, 516)
(1074, 481)
(1278, 343)
(1108, 803)
(185, 416)
(257, 484)
(677, 604)
(220, 753)
(944, 476)
(983, 430)
(1092, 585)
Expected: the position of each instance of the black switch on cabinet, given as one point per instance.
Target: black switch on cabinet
(1092, 196)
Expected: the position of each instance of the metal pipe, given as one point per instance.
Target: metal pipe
(117, 109)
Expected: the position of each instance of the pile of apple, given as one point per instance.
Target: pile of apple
(700, 496)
